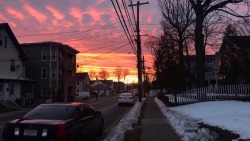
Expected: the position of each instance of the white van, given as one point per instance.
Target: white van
(82, 95)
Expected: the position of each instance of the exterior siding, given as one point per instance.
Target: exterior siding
(64, 83)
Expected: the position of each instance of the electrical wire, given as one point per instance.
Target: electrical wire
(129, 39)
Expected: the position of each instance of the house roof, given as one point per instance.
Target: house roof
(52, 43)
(241, 41)
(100, 87)
(107, 82)
(13, 38)
(82, 75)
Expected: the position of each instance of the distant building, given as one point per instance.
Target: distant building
(82, 82)
(102, 87)
(53, 66)
(119, 87)
(14, 85)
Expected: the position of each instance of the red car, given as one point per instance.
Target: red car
(56, 122)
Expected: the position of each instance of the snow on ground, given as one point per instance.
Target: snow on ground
(230, 115)
(186, 127)
(117, 133)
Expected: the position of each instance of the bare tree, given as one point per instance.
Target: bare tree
(92, 75)
(178, 15)
(118, 73)
(104, 74)
(125, 74)
(202, 9)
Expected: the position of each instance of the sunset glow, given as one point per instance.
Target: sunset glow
(91, 27)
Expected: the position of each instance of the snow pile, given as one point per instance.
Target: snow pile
(117, 133)
(184, 126)
(230, 115)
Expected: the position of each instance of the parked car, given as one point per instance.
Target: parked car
(56, 122)
(82, 95)
(126, 98)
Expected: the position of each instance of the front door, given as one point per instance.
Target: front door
(1, 92)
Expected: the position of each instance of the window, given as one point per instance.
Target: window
(60, 74)
(11, 88)
(44, 73)
(44, 91)
(12, 65)
(53, 73)
(1, 40)
(77, 82)
(44, 55)
(53, 55)
(53, 90)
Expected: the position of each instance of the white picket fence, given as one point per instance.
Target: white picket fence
(225, 92)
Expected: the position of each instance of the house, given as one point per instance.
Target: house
(211, 68)
(119, 87)
(82, 82)
(53, 66)
(102, 87)
(14, 85)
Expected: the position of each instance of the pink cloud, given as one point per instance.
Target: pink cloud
(2, 17)
(15, 13)
(36, 14)
(76, 13)
(95, 13)
(55, 12)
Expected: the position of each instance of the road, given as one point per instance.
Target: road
(107, 105)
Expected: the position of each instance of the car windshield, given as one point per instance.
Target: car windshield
(126, 94)
(51, 112)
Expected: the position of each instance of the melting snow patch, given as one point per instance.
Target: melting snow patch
(117, 133)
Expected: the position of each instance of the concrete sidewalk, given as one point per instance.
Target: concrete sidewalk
(154, 125)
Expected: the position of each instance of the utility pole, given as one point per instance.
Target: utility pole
(139, 57)
(144, 78)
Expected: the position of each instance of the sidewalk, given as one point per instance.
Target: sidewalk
(154, 125)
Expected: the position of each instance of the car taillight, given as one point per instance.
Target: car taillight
(6, 131)
(61, 133)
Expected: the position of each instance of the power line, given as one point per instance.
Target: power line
(129, 39)
(58, 33)
(125, 25)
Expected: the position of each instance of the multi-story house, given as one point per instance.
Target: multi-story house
(14, 85)
(211, 69)
(82, 82)
(53, 66)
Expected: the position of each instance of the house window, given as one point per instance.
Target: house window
(44, 73)
(53, 73)
(60, 74)
(44, 55)
(53, 55)
(12, 65)
(1, 40)
(44, 91)
(77, 82)
(53, 90)
(11, 88)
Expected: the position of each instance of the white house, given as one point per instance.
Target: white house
(13, 83)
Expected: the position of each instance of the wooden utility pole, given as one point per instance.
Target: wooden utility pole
(139, 57)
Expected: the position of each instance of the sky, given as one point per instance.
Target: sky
(90, 26)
